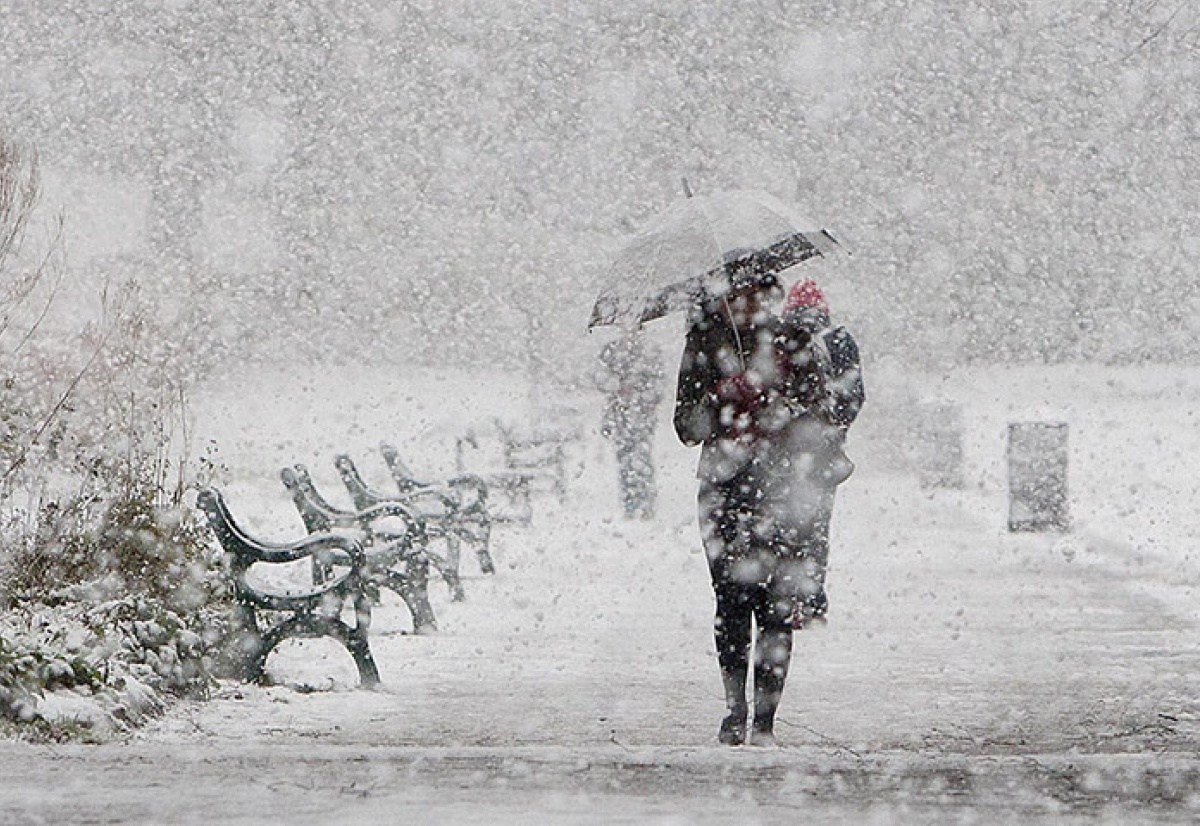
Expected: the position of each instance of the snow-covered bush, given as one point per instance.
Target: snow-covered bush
(78, 667)
(137, 587)
(108, 586)
(29, 667)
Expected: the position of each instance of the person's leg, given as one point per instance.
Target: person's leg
(794, 593)
(720, 523)
(642, 470)
(626, 475)
(772, 658)
(731, 632)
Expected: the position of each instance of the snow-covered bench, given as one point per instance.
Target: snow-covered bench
(469, 521)
(541, 456)
(311, 609)
(393, 538)
(517, 464)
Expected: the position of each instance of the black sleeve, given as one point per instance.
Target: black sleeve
(845, 382)
(694, 413)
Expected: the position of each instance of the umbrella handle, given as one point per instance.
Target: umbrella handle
(737, 337)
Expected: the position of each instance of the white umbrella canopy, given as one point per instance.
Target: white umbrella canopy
(697, 246)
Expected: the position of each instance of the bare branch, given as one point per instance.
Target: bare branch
(1161, 28)
(31, 282)
(110, 326)
(20, 187)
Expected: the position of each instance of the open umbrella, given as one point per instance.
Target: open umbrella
(696, 246)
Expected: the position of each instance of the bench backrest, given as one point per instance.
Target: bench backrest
(244, 551)
(433, 503)
(400, 472)
(236, 541)
(317, 513)
(320, 516)
(469, 491)
(362, 496)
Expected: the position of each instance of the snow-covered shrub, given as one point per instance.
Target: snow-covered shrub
(108, 586)
(76, 669)
(106, 557)
(29, 667)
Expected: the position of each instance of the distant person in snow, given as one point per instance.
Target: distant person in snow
(632, 376)
(761, 396)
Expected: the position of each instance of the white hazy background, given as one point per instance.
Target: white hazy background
(441, 182)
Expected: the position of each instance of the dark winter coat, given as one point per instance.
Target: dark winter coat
(723, 384)
(770, 399)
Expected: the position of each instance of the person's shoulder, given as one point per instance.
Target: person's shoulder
(839, 332)
(840, 341)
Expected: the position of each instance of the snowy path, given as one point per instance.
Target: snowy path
(963, 671)
(965, 675)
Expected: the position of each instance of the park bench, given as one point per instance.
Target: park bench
(515, 488)
(393, 537)
(437, 509)
(437, 513)
(541, 456)
(472, 521)
(519, 466)
(308, 609)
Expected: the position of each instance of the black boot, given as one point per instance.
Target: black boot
(772, 657)
(763, 732)
(733, 727)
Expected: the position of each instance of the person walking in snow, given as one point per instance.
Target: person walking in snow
(727, 366)
(632, 376)
(753, 391)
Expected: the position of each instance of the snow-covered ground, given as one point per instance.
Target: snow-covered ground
(966, 675)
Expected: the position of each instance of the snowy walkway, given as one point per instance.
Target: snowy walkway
(963, 671)
(966, 675)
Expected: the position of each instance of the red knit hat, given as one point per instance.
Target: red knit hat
(805, 294)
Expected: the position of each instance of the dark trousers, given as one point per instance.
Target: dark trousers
(764, 570)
